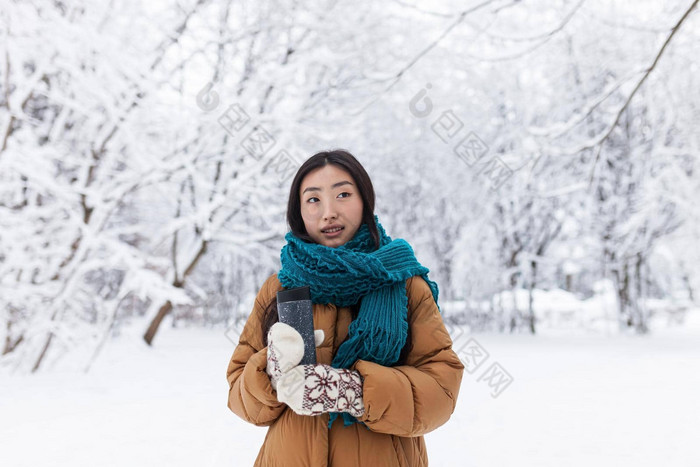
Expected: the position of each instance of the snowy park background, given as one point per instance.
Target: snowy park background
(540, 157)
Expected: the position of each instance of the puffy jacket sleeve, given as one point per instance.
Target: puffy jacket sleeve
(419, 396)
(250, 395)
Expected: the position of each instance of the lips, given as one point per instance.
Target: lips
(332, 227)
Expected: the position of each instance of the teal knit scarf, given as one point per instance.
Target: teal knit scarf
(357, 270)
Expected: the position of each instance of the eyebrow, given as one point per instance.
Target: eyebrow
(335, 185)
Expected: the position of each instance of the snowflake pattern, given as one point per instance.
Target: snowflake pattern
(329, 389)
(273, 363)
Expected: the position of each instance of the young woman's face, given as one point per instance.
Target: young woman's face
(330, 197)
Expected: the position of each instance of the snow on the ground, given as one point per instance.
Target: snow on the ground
(575, 400)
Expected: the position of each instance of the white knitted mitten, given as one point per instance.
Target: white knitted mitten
(285, 349)
(316, 389)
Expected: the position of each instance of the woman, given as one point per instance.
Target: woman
(385, 363)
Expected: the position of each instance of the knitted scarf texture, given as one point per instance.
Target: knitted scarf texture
(358, 270)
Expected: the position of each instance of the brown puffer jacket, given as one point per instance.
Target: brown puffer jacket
(402, 402)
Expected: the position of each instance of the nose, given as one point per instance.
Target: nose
(330, 211)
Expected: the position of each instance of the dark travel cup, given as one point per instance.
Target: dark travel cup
(294, 308)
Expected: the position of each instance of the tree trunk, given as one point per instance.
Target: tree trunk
(622, 289)
(178, 282)
(43, 353)
(641, 324)
(691, 293)
(531, 310)
(9, 345)
(153, 327)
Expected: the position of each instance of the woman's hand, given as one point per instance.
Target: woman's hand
(285, 349)
(316, 389)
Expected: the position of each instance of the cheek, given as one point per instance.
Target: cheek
(358, 207)
(309, 212)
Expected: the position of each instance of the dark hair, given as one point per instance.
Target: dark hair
(343, 160)
(346, 161)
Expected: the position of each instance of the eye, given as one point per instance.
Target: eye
(343, 193)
